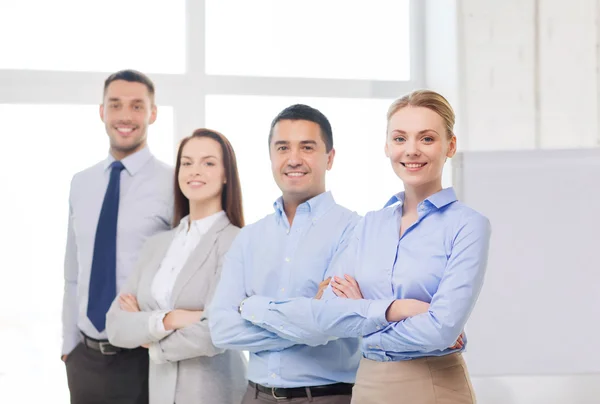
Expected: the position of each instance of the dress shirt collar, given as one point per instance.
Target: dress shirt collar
(316, 206)
(440, 199)
(200, 226)
(133, 163)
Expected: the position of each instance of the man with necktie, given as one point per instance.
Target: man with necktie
(114, 206)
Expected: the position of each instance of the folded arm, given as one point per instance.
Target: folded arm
(315, 321)
(192, 335)
(229, 329)
(129, 328)
(256, 310)
(451, 306)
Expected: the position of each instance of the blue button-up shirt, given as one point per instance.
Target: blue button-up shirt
(272, 260)
(440, 259)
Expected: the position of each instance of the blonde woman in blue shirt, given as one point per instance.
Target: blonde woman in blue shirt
(409, 277)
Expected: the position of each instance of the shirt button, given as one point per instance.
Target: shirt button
(287, 231)
(283, 289)
(370, 346)
(377, 346)
(287, 259)
(378, 327)
(273, 375)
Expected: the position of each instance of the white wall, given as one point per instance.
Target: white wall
(522, 74)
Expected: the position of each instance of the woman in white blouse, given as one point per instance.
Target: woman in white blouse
(162, 305)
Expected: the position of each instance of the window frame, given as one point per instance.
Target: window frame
(186, 92)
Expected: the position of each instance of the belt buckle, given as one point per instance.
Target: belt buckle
(104, 350)
(276, 397)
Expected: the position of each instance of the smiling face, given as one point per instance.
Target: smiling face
(299, 160)
(127, 111)
(201, 173)
(418, 145)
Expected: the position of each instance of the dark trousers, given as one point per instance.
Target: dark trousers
(254, 396)
(95, 378)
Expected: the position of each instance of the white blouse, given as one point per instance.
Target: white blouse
(186, 239)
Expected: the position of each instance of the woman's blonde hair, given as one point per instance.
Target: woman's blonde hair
(426, 99)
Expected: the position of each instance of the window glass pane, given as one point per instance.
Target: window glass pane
(108, 35)
(361, 178)
(42, 147)
(344, 39)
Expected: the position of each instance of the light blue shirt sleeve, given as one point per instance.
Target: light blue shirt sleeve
(258, 310)
(314, 322)
(454, 300)
(228, 329)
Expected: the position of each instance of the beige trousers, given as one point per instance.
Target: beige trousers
(429, 380)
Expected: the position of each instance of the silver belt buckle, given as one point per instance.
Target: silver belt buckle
(106, 352)
(275, 396)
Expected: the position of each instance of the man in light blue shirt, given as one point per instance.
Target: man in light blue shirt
(114, 206)
(286, 255)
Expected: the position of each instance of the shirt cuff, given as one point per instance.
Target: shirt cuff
(156, 354)
(376, 315)
(255, 308)
(156, 325)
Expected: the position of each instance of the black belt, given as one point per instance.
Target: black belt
(337, 389)
(102, 346)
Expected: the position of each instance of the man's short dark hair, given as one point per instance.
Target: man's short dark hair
(301, 112)
(133, 76)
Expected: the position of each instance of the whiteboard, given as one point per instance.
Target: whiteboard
(539, 310)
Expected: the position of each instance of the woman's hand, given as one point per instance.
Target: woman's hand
(346, 287)
(402, 309)
(459, 342)
(179, 318)
(129, 303)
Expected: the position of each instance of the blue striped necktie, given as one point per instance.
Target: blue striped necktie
(103, 279)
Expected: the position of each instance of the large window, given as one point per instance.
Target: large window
(231, 65)
(72, 35)
(335, 39)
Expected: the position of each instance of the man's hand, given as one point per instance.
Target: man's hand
(346, 287)
(64, 358)
(322, 286)
(179, 318)
(129, 303)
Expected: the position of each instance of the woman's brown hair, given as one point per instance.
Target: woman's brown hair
(231, 197)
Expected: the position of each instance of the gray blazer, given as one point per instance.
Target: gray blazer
(196, 371)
